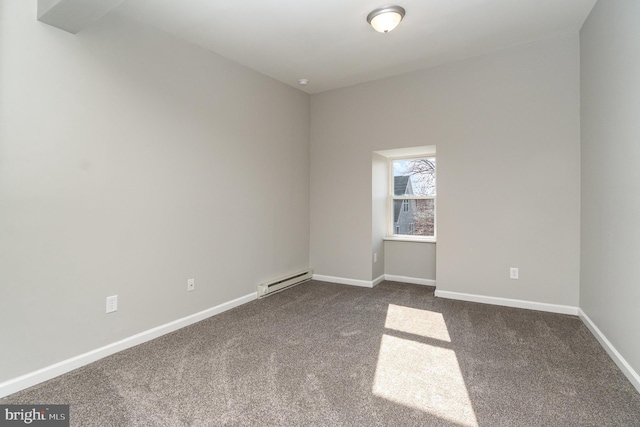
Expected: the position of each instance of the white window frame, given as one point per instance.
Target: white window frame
(391, 228)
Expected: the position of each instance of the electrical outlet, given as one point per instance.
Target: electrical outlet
(375, 257)
(112, 303)
(513, 273)
(191, 285)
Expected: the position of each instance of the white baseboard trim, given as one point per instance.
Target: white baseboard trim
(372, 283)
(344, 281)
(412, 280)
(624, 366)
(379, 280)
(507, 302)
(28, 380)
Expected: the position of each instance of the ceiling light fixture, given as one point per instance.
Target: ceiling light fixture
(386, 18)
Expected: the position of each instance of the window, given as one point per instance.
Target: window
(412, 199)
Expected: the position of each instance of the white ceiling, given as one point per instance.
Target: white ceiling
(330, 43)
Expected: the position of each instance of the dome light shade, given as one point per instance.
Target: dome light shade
(385, 19)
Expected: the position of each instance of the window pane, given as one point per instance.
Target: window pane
(417, 220)
(414, 177)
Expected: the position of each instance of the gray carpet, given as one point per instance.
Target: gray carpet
(322, 354)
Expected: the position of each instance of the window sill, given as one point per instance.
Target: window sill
(410, 239)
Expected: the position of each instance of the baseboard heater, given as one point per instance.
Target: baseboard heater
(281, 284)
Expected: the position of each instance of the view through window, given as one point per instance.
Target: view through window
(413, 197)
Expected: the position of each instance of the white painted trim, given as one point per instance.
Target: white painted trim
(379, 280)
(413, 280)
(375, 282)
(344, 281)
(409, 239)
(507, 302)
(24, 381)
(624, 366)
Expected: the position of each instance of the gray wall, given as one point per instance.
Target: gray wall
(507, 130)
(130, 162)
(379, 197)
(610, 250)
(410, 259)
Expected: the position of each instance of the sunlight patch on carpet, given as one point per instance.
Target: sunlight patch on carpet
(419, 375)
(424, 323)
